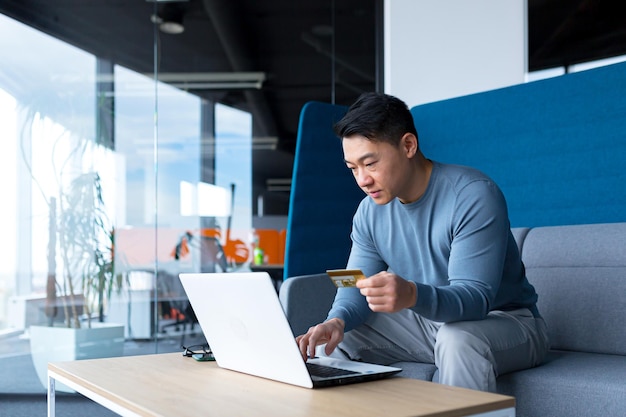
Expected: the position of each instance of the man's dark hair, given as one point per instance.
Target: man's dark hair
(378, 117)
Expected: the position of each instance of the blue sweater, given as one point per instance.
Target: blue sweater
(454, 242)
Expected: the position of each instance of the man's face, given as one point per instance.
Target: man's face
(379, 168)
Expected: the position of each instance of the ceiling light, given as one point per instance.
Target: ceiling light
(213, 80)
(170, 19)
(172, 27)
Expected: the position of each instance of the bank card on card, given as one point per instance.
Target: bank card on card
(345, 277)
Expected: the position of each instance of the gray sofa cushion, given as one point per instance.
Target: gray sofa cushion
(572, 384)
(519, 233)
(423, 371)
(579, 273)
(306, 300)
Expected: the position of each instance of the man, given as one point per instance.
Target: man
(445, 284)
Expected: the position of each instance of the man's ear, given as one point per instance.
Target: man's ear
(409, 145)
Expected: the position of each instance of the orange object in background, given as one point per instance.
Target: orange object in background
(270, 240)
(136, 245)
(214, 233)
(273, 244)
(236, 251)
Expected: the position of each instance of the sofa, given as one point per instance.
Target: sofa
(579, 272)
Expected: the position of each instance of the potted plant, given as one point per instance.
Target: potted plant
(81, 263)
(87, 240)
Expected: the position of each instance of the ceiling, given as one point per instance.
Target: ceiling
(293, 43)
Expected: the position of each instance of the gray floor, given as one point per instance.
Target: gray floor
(22, 394)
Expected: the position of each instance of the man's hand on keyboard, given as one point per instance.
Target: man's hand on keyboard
(329, 332)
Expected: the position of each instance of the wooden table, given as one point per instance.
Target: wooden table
(172, 385)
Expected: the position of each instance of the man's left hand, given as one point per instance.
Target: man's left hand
(388, 293)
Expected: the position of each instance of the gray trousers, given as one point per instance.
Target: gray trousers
(469, 354)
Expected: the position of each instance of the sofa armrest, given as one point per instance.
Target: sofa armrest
(306, 300)
(519, 233)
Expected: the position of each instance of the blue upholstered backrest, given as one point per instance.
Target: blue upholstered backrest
(324, 196)
(556, 147)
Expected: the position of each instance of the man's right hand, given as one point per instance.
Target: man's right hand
(329, 332)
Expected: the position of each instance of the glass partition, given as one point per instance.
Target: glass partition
(114, 182)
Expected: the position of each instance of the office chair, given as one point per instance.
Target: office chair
(211, 259)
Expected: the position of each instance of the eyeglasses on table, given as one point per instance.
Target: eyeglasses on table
(198, 352)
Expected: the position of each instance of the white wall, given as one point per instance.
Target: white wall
(438, 49)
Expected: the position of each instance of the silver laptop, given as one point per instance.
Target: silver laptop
(246, 328)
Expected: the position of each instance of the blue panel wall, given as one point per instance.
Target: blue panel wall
(324, 196)
(556, 147)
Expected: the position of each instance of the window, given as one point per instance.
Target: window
(86, 137)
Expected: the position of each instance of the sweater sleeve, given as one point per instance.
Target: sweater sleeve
(480, 229)
(453, 245)
(349, 304)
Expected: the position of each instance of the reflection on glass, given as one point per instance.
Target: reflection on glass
(118, 187)
(233, 170)
(64, 182)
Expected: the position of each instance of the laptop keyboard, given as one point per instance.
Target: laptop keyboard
(327, 371)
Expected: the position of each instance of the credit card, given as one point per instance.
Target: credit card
(345, 277)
